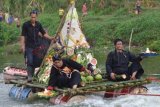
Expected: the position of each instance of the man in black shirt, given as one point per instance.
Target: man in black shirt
(29, 41)
(118, 63)
(65, 73)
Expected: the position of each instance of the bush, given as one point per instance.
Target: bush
(155, 46)
(9, 33)
(108, 27)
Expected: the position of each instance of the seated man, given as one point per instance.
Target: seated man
(65, 73)
(118, 63)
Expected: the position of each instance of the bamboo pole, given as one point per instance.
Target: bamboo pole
(130, 40)
(104, 87)
(28, 84)
(57, 34)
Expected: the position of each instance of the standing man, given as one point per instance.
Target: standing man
(61, 12)
(1, 15)
(84, 9)
(138, 7)
(118, 63)
(29, 41)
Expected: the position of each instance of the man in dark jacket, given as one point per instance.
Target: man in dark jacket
(118, 63)
(29, 41)
(65, 73)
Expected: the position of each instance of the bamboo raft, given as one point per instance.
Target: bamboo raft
(21, 84)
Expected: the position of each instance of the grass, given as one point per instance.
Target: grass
(101, 29)
(146, 28)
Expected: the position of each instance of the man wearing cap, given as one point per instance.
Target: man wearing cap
(29, 41)
(65, 73)
(117, 63)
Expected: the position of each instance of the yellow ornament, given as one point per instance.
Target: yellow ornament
(72, 1)
(61, 12)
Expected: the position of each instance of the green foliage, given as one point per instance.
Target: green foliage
(108, 27)
(8, 34)
(101, 26)
(50, 22)
(155, 46)
(145, 28)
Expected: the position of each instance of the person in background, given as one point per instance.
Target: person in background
(18, 23)
(117, 63)
(61, 12)
(138, 7)
(65, 73)
(29, 41)
(10, 19)
(6, 17)
(84, 9)
(1, 15)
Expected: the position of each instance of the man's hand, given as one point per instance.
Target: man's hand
(49, 37)
(53, 39)
(112, 75)
(133, 77)
(50, 88)
(88, 71)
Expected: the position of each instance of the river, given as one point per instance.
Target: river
(91, 101)
(151, 65)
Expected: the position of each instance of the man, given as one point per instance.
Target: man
(138, 7)
(65, 73)
(29, 41)
(61, 12)
(1, 15)
(84, 9)
(6, 16)
(118, 61)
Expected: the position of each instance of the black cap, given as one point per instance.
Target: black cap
(56, 57)
(33, 12)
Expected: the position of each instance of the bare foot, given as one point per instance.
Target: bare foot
(74, 86)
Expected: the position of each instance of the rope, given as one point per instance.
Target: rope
(120, 93)
(153, 79)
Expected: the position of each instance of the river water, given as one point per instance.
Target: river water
(151, 65)
(91, 101)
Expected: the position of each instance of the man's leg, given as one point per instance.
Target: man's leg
(136, 69)
(62, 81)
(30, 67)
(75, 79)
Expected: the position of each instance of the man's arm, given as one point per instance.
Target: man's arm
(22, 38)
(45, 34)
(22, 44)
(53, 78)
(109, 63)
(133, 58)
(49, 37)
(76, 65)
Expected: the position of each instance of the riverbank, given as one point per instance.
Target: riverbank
(102, 28)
